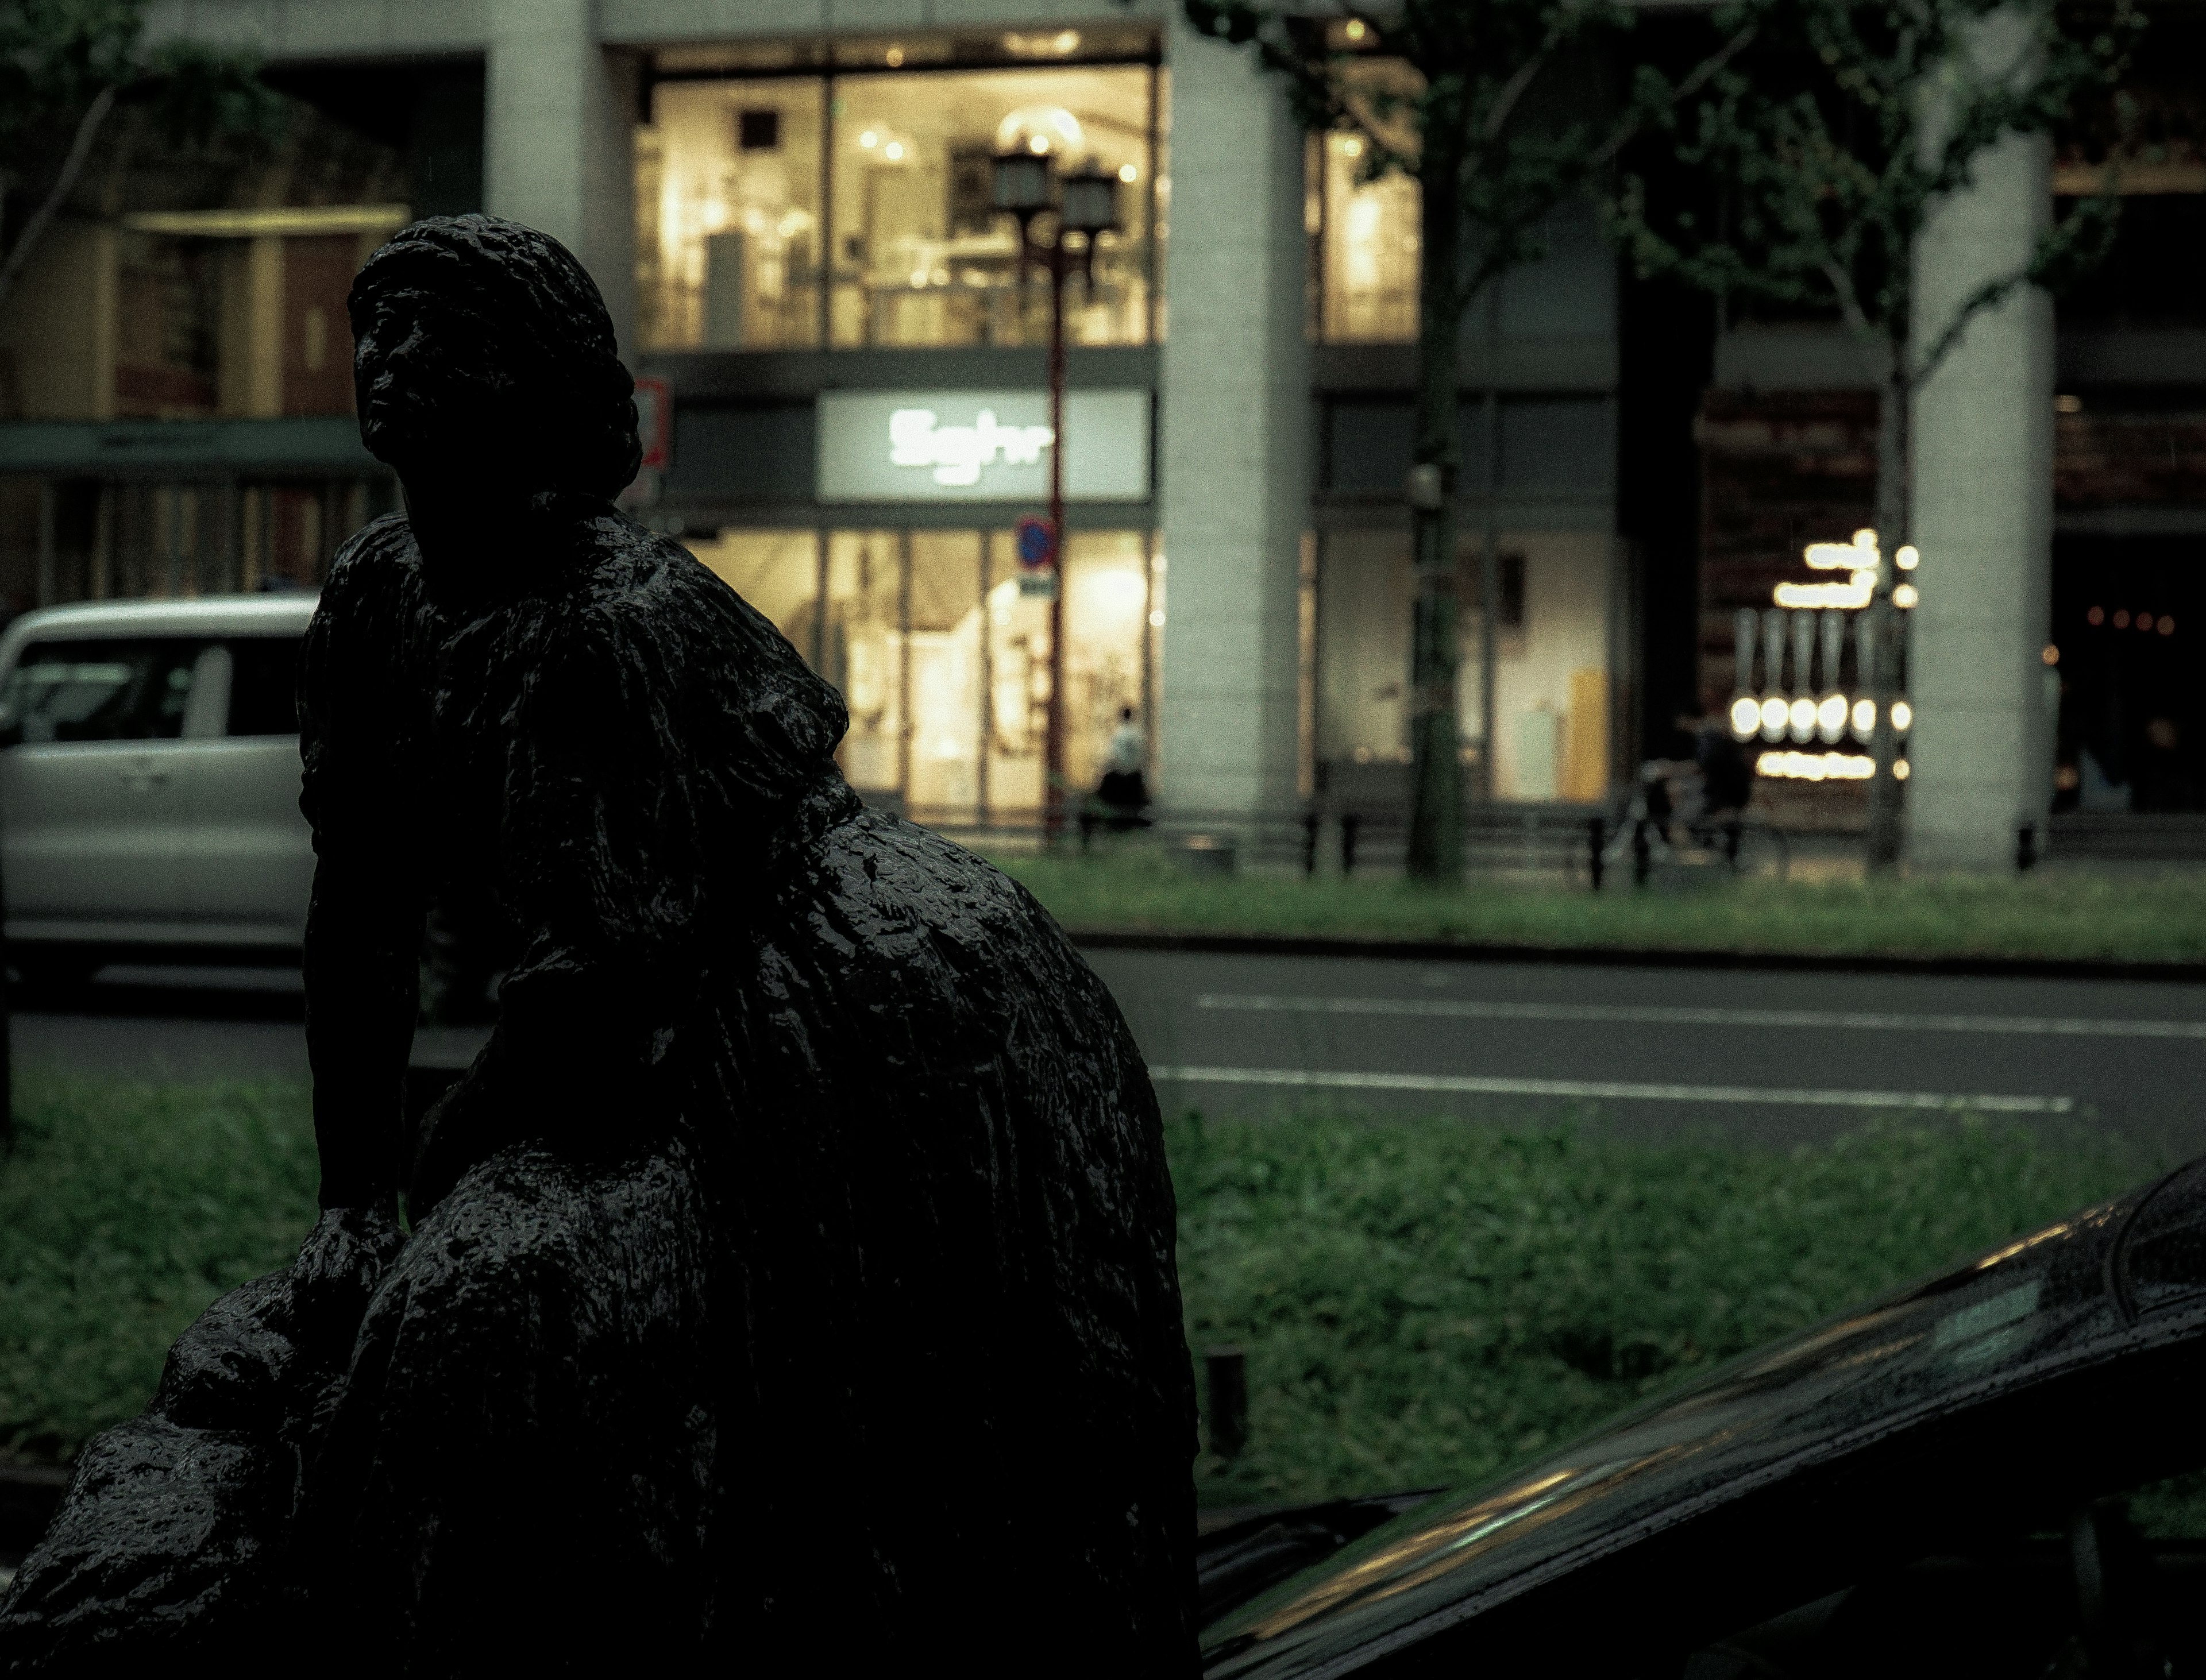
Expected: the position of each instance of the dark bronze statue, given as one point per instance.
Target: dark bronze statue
(790, 1282)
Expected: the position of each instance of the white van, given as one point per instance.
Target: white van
(149, 783)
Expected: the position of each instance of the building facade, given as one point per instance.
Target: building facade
(787, 205)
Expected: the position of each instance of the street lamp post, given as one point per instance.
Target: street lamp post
(1083, 205)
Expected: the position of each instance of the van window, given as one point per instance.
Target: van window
(118, 690)
(264, 685)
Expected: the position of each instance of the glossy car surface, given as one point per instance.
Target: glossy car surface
(149, 779)
(1963, 1425)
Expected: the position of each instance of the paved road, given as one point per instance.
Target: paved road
(1768, 1056)
(1772, 1055)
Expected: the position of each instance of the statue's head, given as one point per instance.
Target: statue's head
(484, 352)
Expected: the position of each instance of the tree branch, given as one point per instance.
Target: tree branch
(1984, 297)
(80, 152)
(1842, 287)
(1703, 72)
(1513, 90)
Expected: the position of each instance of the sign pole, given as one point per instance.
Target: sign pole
(1053, 789)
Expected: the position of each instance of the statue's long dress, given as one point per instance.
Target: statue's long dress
(792, 1285)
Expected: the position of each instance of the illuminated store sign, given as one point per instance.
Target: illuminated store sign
(1807, 702)
(981, 446)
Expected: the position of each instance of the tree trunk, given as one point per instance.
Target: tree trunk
(1894, 453)
(1435, 850)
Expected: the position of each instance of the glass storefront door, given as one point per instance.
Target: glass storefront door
(943, 657)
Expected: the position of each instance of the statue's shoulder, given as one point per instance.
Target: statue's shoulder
(646, 591)
(381, 553)
(369, 592)
(376, 570)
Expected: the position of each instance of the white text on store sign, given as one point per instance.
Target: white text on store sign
(981, 445)
(958, 453)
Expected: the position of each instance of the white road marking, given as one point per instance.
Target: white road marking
(1610, 1089)
(1664, 1015)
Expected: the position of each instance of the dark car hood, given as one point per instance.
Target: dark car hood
(1926, 1366)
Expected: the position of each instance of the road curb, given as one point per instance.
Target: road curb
(1611, 956)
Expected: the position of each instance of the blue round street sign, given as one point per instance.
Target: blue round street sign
(1035, 542)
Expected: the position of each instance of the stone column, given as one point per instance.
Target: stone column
(559, 140)
(1981, 751)
(1235, 475)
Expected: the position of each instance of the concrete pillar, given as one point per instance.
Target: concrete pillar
(558, 139)
(1236, 435)
(1981, 752)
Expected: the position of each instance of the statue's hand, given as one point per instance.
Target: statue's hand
(342, 1259)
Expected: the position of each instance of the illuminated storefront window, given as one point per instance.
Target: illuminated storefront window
(1552, 689)
(749, 191)
(920, 258)
(863, 653)
(729, 240)
(1367, 282)
(777, 572)
(942, 659)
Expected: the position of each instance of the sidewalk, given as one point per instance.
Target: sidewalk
(1643, 957)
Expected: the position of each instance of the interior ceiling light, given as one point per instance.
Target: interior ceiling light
(1040, 129)
(1039, 45)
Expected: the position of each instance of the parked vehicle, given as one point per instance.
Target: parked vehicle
(149, 783)
(1994, 1472)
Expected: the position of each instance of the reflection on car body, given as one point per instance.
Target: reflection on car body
(149, 781)
(1958, 1431)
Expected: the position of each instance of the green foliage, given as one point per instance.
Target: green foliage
(65, 65)
(2143, 918)
(1478, 104)
(1423, 1302)
(57, 56)
(1835, 137)
(124, 1210)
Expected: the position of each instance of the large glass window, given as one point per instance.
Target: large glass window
(1018, 684)
(942, 653)
(777, 572)
(1551, 693)
(863, 653)
(1107, 605)
(1368, 285)
(738, 181)
(922, 259)
(728, 240)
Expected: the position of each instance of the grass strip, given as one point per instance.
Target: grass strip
(125, 1209)
(2155, 917)
(1423, 1302)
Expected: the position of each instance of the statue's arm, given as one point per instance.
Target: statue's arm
(364, 923)
(362, 976)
